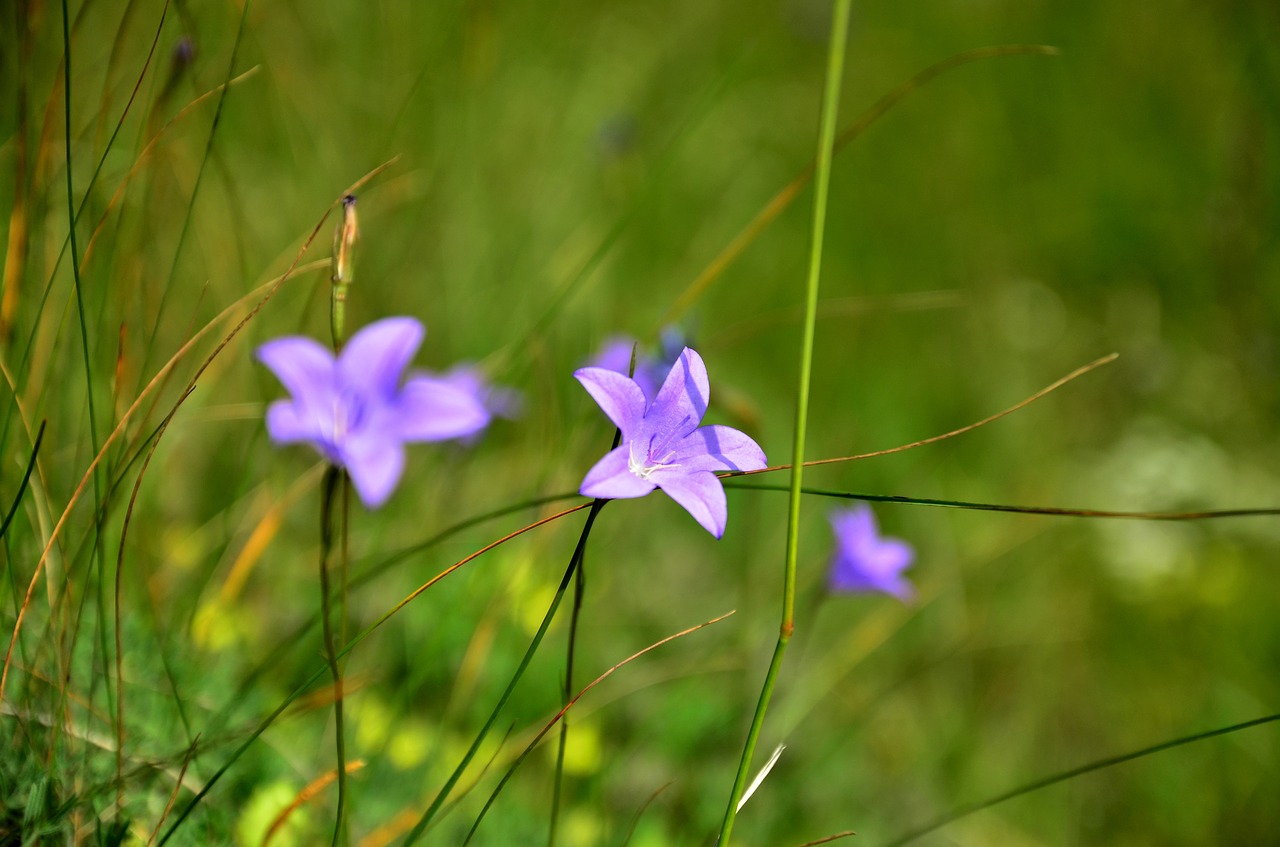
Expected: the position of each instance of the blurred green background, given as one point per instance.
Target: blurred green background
(562, 173)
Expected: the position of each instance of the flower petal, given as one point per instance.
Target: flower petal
(892, 556)
(431, 409)
(304, 367)
(855, 529)
(701, 494)
(289, 422)
(375, 464)
(719, 448)
(612, 479)
(377, 355)
(682, 400)
(619, 396)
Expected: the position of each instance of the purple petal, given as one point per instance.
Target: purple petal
(612, 479)
(619, 396)
(701, 494)
(719, 448)
(375, 465)
(303, 366)
(289, 422)
(431, 409)
(377, 355)
(854, 528)
(893, 556)
(682, 400)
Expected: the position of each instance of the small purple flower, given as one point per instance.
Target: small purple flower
(662, 445)
(864, 561)
(356, 409)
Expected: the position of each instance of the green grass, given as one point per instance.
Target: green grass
(563, 173)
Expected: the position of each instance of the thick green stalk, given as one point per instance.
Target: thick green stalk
(826, 138)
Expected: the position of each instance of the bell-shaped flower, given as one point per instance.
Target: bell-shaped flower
(662, 445)
(358, 410)
(864, 560)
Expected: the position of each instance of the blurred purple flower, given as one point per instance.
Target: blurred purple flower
(651, 370)
(662, 445)
(865, 561)
(356, 409)
(498, 400)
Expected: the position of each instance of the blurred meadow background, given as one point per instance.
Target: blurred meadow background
(561, 173)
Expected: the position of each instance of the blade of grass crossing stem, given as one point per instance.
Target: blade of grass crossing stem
(569, 572)
(822, 181)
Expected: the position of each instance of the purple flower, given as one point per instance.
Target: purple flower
(498, 400)
(864, 561)
(650, 370)
(357, 411)
(662, 445)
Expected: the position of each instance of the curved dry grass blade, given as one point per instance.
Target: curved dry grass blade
(124, 534)
(306, 684)
(270, 290)
(835, 837)
(173, 796)
(146, 153)
(1076, 374)
(308, 793)
(569, 705)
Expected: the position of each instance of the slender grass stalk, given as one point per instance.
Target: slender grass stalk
(579, 587)
(96, 555)
(330, 501)
(1063, 776)
(297, 692)
(204, 161)
(826, 138)
(443, 794)
(1024, 510)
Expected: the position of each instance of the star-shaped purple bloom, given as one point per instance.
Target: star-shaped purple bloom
(357, 410)
(662, 445)
(864, 561)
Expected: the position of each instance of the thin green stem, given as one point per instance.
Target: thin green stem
(297, 692)
(447, 788)
(1044, 782)
(579, 586)
(329, 499)
(96, 554)
(1024, 510)
(826, 139)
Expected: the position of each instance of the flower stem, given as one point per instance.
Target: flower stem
(574, 561)
(334, 479)
(579, 586)
(830, 107)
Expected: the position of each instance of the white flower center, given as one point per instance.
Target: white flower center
(646, 465)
